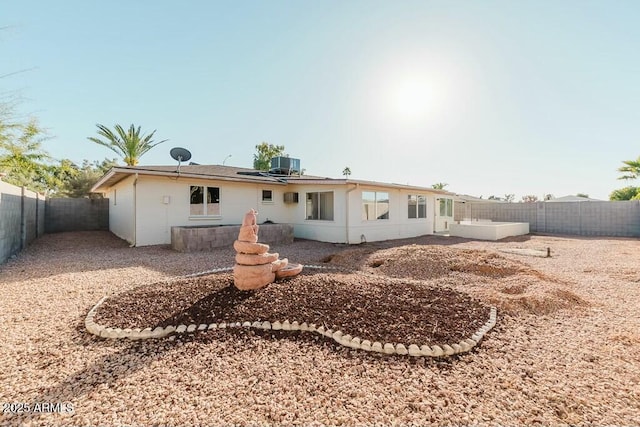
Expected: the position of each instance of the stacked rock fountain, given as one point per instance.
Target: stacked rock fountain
(255, 266)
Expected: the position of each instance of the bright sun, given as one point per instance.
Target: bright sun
(412, 98)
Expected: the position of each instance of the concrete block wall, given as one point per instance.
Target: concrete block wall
(192, 239)
(498, 212)
(617, 219)
(66, 214)
(21, 219)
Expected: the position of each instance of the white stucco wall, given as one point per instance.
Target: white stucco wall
(121, 218)
(163, 202)
(154, 217)
(322, 230)
(398, 226)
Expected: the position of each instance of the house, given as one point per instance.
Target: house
(146, 201)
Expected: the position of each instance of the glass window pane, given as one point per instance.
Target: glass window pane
(267, 196)
(382, 205)
(368, 205)
(422, 207)
(326, 206)
(196, 200)
(312, 205)
(412, 206)
(449, 207)
(213, 201)
(443, 207)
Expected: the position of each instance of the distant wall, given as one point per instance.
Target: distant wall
(66, 214)
(21, 218)
(621, 219)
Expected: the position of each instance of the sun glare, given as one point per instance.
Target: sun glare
(412, 98)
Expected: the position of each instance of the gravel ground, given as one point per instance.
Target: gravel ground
(566, 349)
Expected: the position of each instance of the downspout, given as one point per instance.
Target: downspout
(135, 203)
(347, 210)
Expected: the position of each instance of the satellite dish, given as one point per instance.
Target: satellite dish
(180, 154)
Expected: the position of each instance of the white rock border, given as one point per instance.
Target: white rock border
(340, 337)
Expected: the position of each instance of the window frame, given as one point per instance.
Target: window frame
(270, 199)
(319, 205)
(376, 217)
(205, 206)
(421, 201)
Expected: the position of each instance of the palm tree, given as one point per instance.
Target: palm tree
(129, 145)
(439, 185)
(346, 172)
(632, 168)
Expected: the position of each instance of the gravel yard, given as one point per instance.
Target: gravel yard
(565, 350)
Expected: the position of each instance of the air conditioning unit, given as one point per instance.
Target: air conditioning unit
(285, 166)
(291, 197)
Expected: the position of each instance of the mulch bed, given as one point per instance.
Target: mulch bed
(371, 307)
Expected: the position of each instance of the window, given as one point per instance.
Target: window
(204, 201)
(320, 206)
(446, 207)
(375, 205)
(115, 196)
(417, 205)
(267, 196)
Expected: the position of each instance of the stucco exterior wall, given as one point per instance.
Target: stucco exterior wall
(163, 202)
(322, 230)
(348, 204)
(398, 226)
(121, 211)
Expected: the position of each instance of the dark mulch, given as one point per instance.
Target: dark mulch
(370, 307)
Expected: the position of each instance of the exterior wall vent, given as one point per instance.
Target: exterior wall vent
(291, 197)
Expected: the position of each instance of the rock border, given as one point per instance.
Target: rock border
(338, 336)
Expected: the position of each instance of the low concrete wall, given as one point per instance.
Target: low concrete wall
(487, 230)
(204, 238)
(618, 219)
(82, 214)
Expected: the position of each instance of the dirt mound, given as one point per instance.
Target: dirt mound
(511, 285)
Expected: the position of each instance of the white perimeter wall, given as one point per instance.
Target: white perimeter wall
(121, 220)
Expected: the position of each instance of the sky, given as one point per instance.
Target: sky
(491, 97)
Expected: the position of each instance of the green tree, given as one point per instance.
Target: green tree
(264, 153)
(626, 193)
(509, 198)
(79, 185)
(22, 157)
(346, 172)
(530, 198)
(585, 195)
(631, 169)
(439, 185)
(130, 145)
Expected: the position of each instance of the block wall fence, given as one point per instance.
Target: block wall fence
(22, 218)
(26, 215)
(614, 219)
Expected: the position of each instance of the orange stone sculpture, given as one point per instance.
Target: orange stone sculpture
(255, 266)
